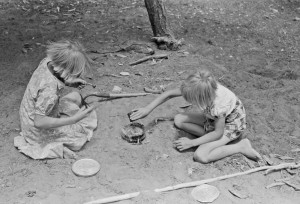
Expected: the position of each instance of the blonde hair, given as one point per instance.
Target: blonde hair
(68, 58)
(199, 89)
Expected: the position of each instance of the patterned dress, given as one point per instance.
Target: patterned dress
(42, 97)
(229, 106)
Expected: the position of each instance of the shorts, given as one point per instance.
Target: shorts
(235, 122)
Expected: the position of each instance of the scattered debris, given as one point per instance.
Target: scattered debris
(156, 120)
(274, 185)
(250, 164)
(267, 160)
(120, 55)
(296, 187)
(295, 150)
(190, 171)
(117, 89)
(30, 193)
(181, 72)
(183, 53)
(282, 157)
(296, 19)
(113, 75)
(164, 156)
(291, 172)
(132, 46)
(154, 91)
(139, 74)
(92, 85)
(124, 73)
(238, 192)
(160, 56)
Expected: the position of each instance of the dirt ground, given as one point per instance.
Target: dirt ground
(251, 46)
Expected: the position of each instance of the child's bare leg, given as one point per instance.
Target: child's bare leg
(191, 122)
(216, 150)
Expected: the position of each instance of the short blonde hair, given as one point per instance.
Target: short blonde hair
(199, 89)
(69, 57)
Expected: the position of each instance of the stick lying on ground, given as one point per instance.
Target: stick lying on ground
(154, 91)
(161, 56)
(111, 95)
(114, 198)
(197, 183)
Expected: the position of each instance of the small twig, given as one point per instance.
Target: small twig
(274, 184)
(283, 179)
(113, 75)
(92, 85)
(157, 91)
(114, 198)
(161, 56)
(156, 120)
(297, 188)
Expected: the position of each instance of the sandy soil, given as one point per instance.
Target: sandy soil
(251, 46)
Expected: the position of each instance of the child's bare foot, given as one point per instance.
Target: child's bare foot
(69, 154)
(248, 151)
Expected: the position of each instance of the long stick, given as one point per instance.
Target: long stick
(197, 183)
(114, 198)
(111, 95)
(161, 56)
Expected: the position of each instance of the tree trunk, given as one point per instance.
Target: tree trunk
(163, 36)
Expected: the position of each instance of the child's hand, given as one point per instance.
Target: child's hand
(139, 113)
(183, 143)
(82, 113)
(76, 82)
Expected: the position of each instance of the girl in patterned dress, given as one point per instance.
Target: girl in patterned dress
(220, 120)
(53, 125)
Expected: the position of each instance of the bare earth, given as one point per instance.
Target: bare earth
(251, 46)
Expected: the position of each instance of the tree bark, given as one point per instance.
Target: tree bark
(163, 36)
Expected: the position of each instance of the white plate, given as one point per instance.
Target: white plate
(85, 167)
(205, 193)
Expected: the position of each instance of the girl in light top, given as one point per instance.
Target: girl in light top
(53, 125)
(220, 120)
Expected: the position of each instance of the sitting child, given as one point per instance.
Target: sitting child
(221, 119)
(53, 126)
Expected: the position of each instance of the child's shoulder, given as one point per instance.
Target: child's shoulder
(224, 91)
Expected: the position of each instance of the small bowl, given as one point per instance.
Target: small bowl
(130, 134)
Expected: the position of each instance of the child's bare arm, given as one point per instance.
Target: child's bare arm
(45, 122)
(163, 98)
(143, 112)
(185, 143)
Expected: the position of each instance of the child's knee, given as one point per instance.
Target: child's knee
(201, 158)
(178, 120)
(74, 97)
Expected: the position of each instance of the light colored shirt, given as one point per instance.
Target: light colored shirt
(223, 104)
